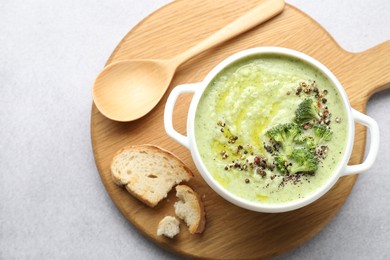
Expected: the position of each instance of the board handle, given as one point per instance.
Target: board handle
(372, 125)
(374, 68)
(168, 112)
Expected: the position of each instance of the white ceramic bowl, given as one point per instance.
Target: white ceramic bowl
(342, 170)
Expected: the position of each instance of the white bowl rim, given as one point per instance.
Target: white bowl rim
(257, 206)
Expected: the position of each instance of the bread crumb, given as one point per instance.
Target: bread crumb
(168, 226)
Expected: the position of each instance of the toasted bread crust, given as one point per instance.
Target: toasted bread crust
(196, 205)
(136, 181)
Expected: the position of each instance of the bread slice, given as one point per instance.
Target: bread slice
(190, 209)
(148, 172)
(169, 227)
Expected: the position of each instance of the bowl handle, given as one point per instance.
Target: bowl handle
(168, 112)
(374, 143)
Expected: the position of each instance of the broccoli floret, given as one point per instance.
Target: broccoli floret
(307, 141)
(322, 134)
(281, 163)
(302, 160)
(285, 135)
(310, 144)
(307, 110)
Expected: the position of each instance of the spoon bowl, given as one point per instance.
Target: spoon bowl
(134, 87)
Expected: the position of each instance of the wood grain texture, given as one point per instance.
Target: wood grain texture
(231, 232)
(146, 81)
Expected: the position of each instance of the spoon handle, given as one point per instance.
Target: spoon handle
(261, 13)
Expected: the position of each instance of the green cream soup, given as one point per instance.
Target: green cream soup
(235, 126)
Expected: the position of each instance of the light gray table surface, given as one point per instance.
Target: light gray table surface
(52, 202)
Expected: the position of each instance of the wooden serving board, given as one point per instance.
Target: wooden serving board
(231, 232)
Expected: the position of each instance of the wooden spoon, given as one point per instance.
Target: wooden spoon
(127, 90)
